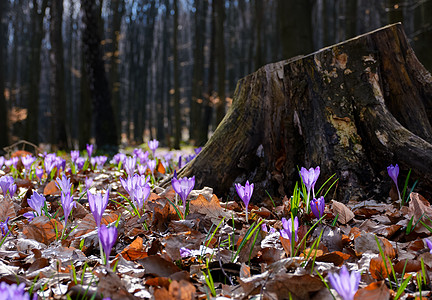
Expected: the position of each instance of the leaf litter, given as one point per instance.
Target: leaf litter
(226, 255)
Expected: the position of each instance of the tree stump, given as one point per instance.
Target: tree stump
(352, 108)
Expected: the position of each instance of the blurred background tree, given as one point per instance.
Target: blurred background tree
(168, 67)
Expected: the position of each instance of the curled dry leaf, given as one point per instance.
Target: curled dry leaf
(7, 209)
(378, 269)
(374, 291)
(43, 230)
(135, 250)
(342, 211)
(419, 206)
(51, 189)
(211, 208)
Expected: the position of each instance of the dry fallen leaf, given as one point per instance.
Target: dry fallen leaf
(342, 211)
(7, 209)
(378, 269)
(211, 209)
(43, 230)
(135, 250)
(374, 291)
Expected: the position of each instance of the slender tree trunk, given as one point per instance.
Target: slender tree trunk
(259, 18)
(4, 137)
(85, 107)
(209, 98)
(198, 76)
(117, 8)
(57, 88)
(177, 124)
(220, 48)
(295, 42)
(163, 86)
(105, 128)
(37, 17)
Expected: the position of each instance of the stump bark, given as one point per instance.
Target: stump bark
(352, 108)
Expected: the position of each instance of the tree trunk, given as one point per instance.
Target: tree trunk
(177, 122)
(32, 122)
(353, 109)
(220, 50)
(4, 137)
(57, 87)
(105, 129)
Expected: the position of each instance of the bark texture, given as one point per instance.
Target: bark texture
(352, 108)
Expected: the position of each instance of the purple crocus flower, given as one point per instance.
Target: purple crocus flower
(14, 292)
(185, 252)
(309, 178)
(183, 187)
(74, 155)
(27, 161)
(50, 162)
(64, 184)
(80, 162)
(143, 157)
(100, 161)
(197, 150)
(12, 162)
(39, 173)
(153, 145)
(151, 164)
(129, 165)
(107, 237)
(141, 194)
(88, 182)
(142, 169)
(287, 231)
(98, 204)
(129, 184)
(67, 203)
(6, 185)
(429, 244)
(60, 163)
(93, 161)
(393, 172)
(345, 283)
(317, 207)
(37, 202)
(118, 158)
(4, 227)
(245, 193)
(89, 149)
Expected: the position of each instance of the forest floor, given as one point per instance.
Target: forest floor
(214, 251)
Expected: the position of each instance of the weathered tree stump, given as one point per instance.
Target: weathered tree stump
(352, 108)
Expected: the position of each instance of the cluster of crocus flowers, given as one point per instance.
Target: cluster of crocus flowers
(317, 206)
(14, 291)
(309, 178)
(245, 193)
(345, 283)
(28, 161)
(138, 188)
(183, 187)
(393, 172)
(7, 185)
